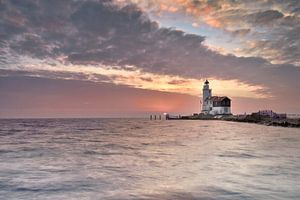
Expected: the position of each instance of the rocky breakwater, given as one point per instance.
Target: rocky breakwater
(265, 120)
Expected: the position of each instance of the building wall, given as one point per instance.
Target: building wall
(220, 110)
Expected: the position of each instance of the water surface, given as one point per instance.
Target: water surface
(115, 159)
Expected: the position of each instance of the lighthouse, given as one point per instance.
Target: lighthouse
(214, 105)
(206, 92)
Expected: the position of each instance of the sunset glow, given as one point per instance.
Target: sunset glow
(248, 50)
(134, 77)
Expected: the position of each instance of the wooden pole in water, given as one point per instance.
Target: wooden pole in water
(154, 117)
(150, 117)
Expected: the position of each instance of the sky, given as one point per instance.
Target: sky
(133, 58)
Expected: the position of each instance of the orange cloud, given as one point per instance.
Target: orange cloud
(168, 8)
(202, 10)
(136, 78)
(213, 22)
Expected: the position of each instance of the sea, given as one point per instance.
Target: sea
(124, 159)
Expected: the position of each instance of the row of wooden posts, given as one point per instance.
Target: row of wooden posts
(154, 117)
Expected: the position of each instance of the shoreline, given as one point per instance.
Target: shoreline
(291, 123)
(287, 123)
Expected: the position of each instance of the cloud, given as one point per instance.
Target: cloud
(107, 33)
(265, 17)
(241, 32)
(177, 82)
(274, 21)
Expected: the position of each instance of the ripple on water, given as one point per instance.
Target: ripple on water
(141, 159)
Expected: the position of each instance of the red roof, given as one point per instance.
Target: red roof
(217, 98)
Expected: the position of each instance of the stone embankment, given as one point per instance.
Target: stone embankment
(265, 121)
(253, 118)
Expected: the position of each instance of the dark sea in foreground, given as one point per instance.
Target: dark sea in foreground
(116, 159)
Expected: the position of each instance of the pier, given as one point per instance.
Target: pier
(155, 117)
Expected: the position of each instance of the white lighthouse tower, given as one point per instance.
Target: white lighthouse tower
(206, 92)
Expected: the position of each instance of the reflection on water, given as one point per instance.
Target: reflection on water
(140, 159)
